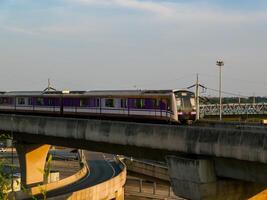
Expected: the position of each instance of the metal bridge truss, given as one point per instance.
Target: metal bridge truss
(234, 109)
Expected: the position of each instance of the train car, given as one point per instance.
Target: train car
(164, 105)
(186, 106)
(147, 104)
(31, 102)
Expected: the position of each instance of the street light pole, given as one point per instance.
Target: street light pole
(220, 63)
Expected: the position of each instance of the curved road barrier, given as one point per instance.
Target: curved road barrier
(261, 196)
(52, 186)
(111, 189)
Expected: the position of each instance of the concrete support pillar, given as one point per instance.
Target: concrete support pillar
(120, 194)
(196, 179)
(170, 191)
(190, 178)
(154, 188)
(32, 158)
(140, 185)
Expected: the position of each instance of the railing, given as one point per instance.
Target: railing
(234, 109)
(155, 170)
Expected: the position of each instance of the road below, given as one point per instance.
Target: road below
(102, 168)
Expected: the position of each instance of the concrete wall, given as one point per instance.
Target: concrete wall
(148, 169)
(111, 189)
(241, 170)
(229, 143)
(196, 179)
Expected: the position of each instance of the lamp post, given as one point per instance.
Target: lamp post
(220, 63)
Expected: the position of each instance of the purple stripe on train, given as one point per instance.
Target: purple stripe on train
(133, 103)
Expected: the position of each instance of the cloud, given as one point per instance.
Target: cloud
(73, 23)
(187, 11)
(148, 6)
(19, 30)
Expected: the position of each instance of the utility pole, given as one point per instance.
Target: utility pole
(197, 85)
(254, 99)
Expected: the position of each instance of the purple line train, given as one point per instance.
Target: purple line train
(176, 106)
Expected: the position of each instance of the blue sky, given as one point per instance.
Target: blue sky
(127, 44)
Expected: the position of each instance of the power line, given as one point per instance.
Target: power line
(229, 93)
(232, 78)
(165, 82)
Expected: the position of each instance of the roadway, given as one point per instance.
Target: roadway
(102, 168)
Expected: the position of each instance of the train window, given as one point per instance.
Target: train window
(109, 103)
(123, 103)
(83, 102)
(163, 104)
(97, 102)
(51, 102)
(30, 101)
(21, 101)
(39, 101)
(178, 102)
(140, 103)
(156, 103)
(4, 101)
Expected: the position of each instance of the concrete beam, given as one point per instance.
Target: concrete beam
(32, 158)
(233, 142)
(241, 170)
(196, 179)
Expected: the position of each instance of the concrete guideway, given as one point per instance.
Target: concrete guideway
(233, 142)
(210, 159)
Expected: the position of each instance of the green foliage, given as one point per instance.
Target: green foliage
(5, 136)
(46, 175)
(5, 179)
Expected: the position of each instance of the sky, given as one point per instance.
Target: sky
(134, 44)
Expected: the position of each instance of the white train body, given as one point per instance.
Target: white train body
(164, 105)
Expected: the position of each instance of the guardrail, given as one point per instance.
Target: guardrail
(28, 193)
(146, 168)
(149, 189)
(111, 189)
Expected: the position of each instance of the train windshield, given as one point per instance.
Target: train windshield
(185, 100)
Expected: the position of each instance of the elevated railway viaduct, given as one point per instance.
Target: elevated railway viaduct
(218, 162)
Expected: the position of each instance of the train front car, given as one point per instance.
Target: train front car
(186, 106)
